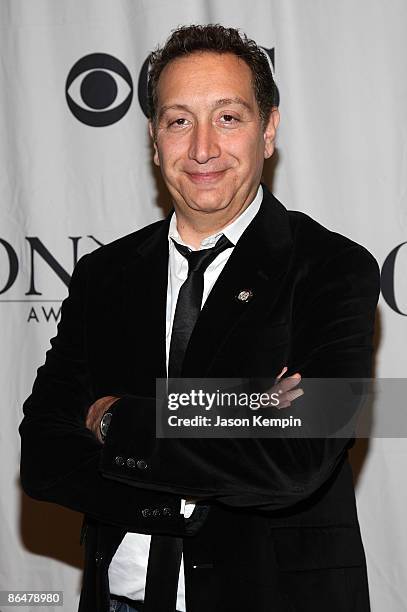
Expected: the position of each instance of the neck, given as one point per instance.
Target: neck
(195, 225)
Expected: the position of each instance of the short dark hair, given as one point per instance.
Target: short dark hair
(218, 39)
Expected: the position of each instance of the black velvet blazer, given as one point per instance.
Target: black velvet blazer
(278, 529)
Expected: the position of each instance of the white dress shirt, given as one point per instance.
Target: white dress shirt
(128, 568)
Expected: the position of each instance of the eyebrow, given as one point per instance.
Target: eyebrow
(216, 104)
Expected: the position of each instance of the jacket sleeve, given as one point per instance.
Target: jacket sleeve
(60, 457)
(332, 336)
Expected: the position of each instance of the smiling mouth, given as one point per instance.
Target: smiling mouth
(205, 177)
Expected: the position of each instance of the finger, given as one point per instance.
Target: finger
(286, 384)
(283, 371)
(293, 394)
(290, 396)
(283, 404)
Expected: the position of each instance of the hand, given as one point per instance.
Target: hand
(284, 388)
(286, 397)
(96, 411)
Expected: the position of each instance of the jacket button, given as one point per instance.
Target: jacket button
(141, 464)
(156, 513)
(146, 512)
(98, 558)
(119, 460)
(167, 512)
(130, 462)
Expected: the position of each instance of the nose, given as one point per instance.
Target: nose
(204, 143)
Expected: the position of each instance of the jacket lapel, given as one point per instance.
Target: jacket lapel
(145, 279)
(258, 263)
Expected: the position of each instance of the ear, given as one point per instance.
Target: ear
(156, 156)
(270, 131)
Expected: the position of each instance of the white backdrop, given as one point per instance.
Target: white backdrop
(77, 174)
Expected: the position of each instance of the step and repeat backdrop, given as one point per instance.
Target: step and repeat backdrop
(76, 172)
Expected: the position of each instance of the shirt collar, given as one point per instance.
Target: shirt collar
(233, 231)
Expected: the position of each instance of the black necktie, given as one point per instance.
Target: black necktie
(164, 558)
(190, 300)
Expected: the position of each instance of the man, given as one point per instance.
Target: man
(274, 525)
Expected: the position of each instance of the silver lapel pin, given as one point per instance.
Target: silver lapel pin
(245, 295)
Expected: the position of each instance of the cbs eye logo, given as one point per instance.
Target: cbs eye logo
(99, 89)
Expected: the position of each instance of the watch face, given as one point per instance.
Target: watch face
(104, 423)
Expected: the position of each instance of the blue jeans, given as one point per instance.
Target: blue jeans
(120, 606)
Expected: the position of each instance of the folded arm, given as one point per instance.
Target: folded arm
(60, 456)
(63, 461)
(332, 338)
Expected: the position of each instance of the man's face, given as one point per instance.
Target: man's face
(210, 142)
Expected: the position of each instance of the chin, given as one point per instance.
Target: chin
(207, 200)
(206, 205)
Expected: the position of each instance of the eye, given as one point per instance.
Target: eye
(227, 119)
(178, 123)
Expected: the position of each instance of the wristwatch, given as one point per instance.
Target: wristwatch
(104, 423)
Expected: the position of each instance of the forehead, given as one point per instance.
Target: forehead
(205, 75)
